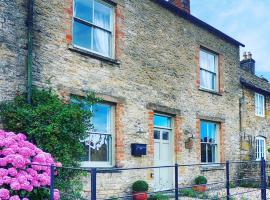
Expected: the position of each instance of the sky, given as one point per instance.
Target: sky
(248, 21)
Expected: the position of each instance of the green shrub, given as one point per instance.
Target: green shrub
(140, 186)
(158, 197)
(200, 180)
(191, 193)
(54, 126)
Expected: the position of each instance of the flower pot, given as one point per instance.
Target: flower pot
(139, 196)
(189, 143)
(199, 188)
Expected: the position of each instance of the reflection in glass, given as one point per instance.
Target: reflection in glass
(99, 147)
(84, 10)
(208, 141)
(82, 35)
(100, 119)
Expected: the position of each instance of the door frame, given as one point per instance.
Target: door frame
(171, 142)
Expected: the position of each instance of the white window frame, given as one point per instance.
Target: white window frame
(216, 143)
(260, 148)
(259, 105)
(111, 30)
(216, 72)
(111, 125)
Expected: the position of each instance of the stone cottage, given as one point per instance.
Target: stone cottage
(254, 111)
(169, 82)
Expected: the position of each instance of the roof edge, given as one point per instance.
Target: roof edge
(197, 22)
(254, 87)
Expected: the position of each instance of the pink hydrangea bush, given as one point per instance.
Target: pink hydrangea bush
(23, 167)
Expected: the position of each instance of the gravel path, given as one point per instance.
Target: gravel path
(238, 193)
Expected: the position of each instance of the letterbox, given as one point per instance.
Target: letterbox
(138, 149)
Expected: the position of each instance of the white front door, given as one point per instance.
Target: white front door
(163, 156)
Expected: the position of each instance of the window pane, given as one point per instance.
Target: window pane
(208, 80)
(204, 137)
(203, 60)
(84, 10)
(212, 132)
(102, 15)
(156, 135)
(211, 150)
(211, 63)
(162, 121)
(101, 118)
(101, 42)
(81, 35)
(100, 146)
(203, 152)
(86, 145)
(165, 135)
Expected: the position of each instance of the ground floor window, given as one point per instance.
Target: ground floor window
(260, 148)
(209, 142)
(99, 143)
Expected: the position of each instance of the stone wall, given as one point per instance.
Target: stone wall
(157, 62)
(13, 45)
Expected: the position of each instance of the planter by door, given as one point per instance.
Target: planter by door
(199, 188)
(139, 196)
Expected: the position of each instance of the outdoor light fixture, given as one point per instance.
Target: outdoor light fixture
(139, 127)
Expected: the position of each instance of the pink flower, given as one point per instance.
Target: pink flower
(56, 194)
(4, 194)
(16, 197)
(27, 171)
(20, 137)
(3, 172)
(7, 179)
(19, 161)
(58, 164)
(15, 185)
(3, 162)
(12, 172)
(26, 152)
(7, 151)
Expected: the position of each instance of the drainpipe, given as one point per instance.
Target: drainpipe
(29, 23)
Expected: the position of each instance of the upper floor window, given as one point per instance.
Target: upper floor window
(93, 26)
(208, 70)
(259, 105)
(260, 148)
(209, 142)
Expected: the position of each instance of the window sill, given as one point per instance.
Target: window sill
(212, 167)
(260, 116)
(93, 55)
(210, 91)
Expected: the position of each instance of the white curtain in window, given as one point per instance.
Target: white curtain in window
(101, 42)
(102, 18)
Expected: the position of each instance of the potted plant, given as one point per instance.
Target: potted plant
(200, 182)
(140, 189)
